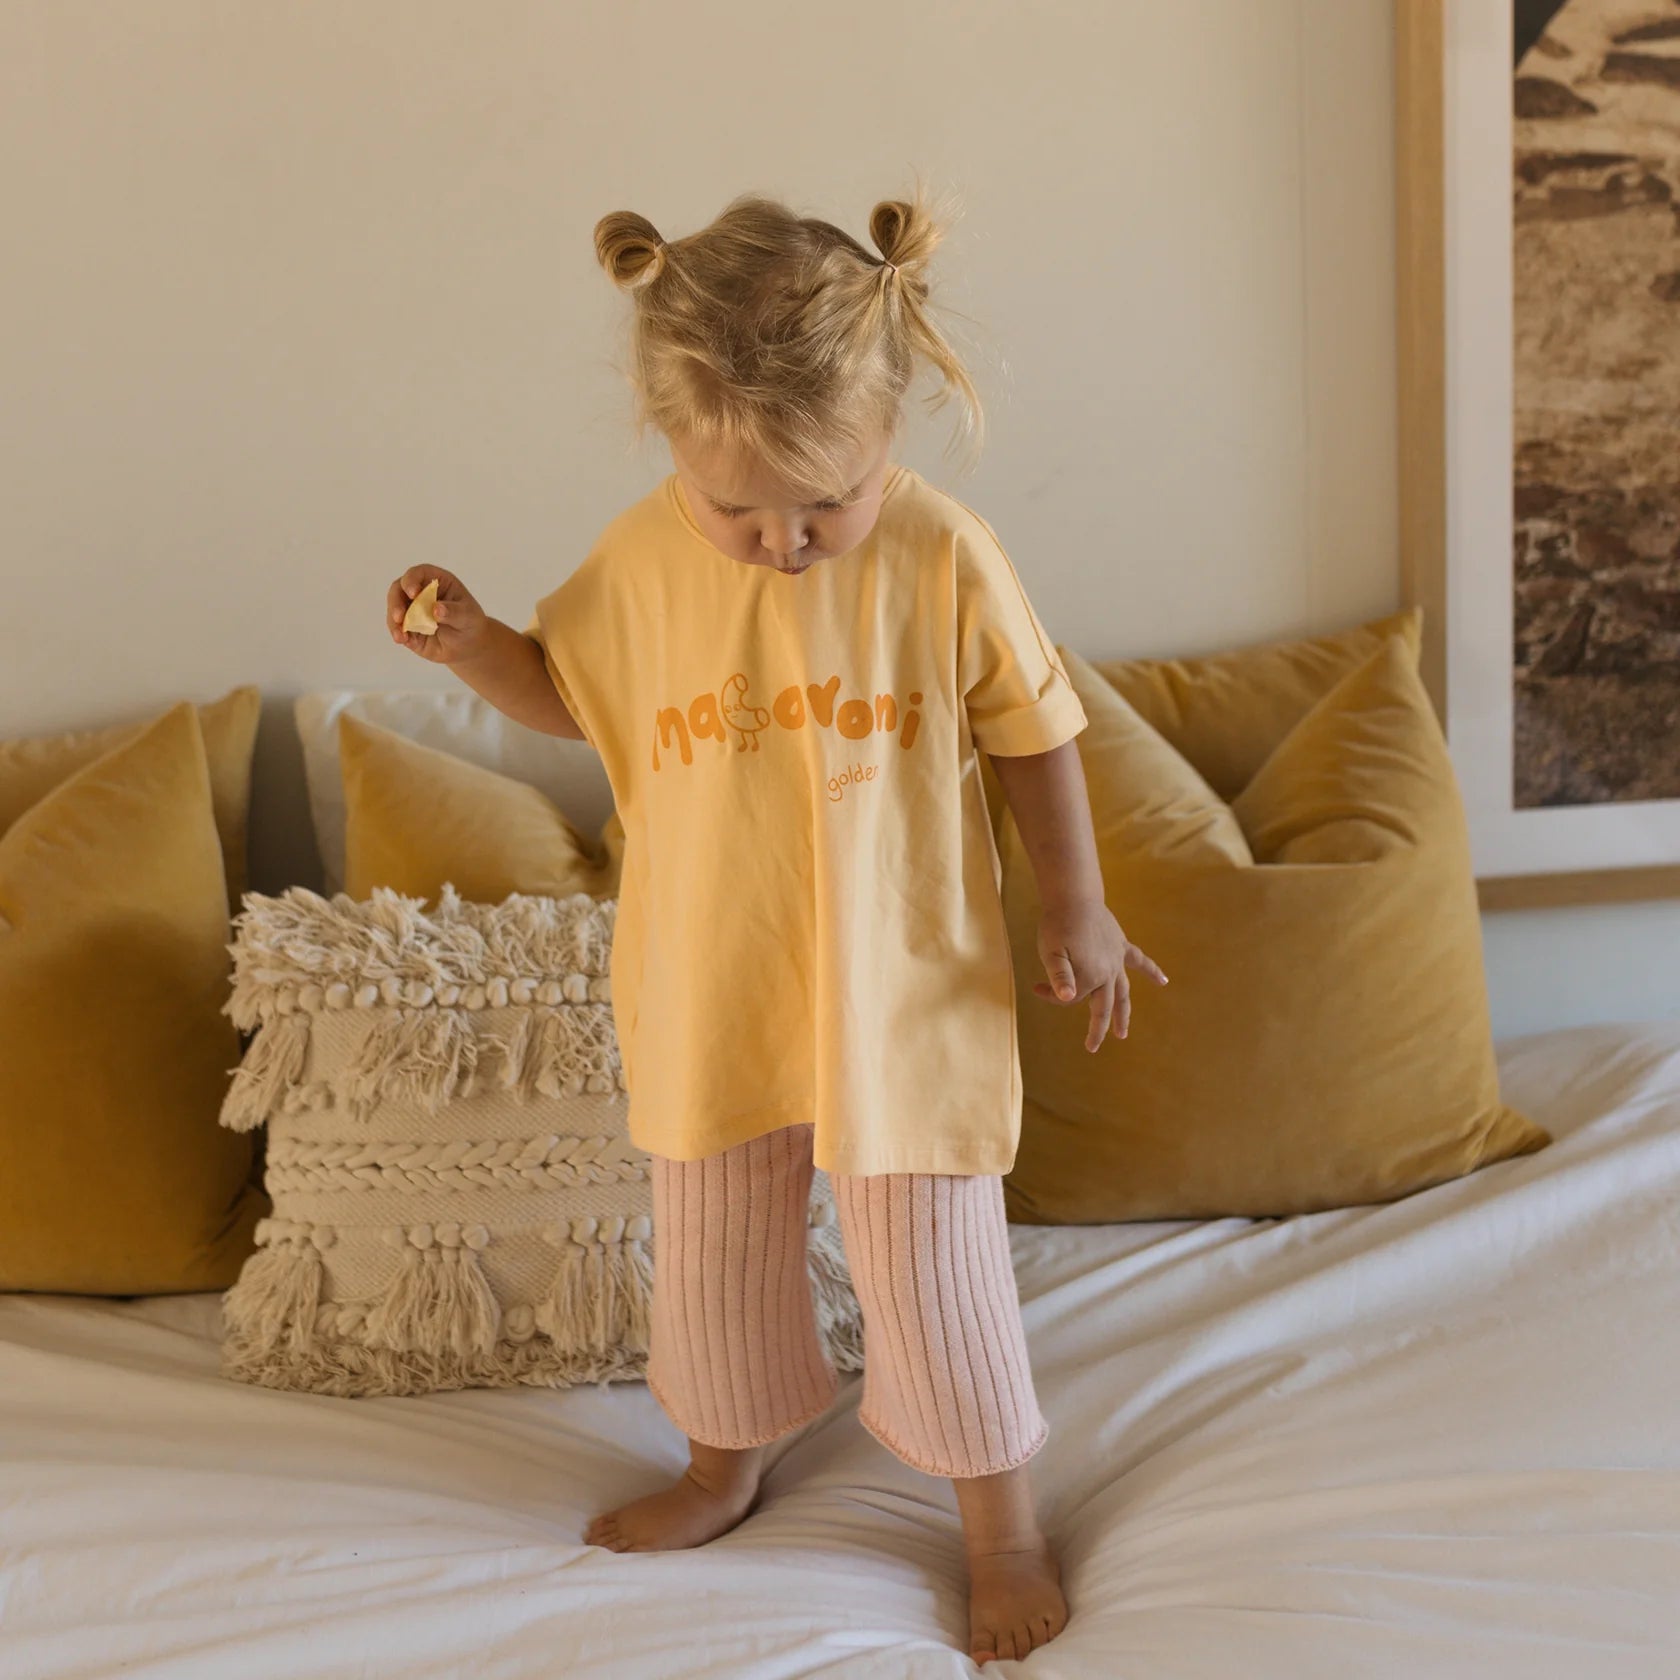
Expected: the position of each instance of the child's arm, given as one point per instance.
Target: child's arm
(1084, 951)
(490, 657)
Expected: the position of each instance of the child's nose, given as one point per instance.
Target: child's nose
(782, 536)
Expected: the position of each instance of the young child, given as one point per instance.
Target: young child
(789, 656)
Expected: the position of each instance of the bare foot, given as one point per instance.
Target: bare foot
(1015, 1602)
(710, 1497)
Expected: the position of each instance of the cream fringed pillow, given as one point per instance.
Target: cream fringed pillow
(456, 1200)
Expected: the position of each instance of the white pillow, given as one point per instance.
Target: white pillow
(453, 721)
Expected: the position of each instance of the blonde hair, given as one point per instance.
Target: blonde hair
(780, 336)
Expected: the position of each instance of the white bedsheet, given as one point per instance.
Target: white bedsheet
(1433, 1439)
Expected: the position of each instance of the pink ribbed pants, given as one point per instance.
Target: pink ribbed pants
(734, 1357)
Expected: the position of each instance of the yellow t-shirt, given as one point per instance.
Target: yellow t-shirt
(809, 927)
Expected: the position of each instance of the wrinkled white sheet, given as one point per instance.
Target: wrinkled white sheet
(1428, 1440)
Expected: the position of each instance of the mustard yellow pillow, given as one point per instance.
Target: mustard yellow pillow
(115, 1177)
(1226, 712)
(416, 818)
(30, 769)
(1324, 1040)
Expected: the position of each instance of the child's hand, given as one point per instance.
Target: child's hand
(461, 620)
(1086, 954)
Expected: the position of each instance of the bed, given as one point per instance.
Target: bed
(1435, 1438)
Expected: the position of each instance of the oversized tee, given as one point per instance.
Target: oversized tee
(809, 927)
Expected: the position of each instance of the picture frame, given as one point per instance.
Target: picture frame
(1457, 371)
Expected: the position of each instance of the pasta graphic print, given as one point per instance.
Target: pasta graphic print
(729, 717)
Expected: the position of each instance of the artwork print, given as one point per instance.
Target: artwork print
(1596, 402)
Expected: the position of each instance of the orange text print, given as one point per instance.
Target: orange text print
(731, 716)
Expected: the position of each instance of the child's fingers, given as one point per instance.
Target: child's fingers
(460, 620)
(1145, 965)
(425, 646)
(417, 577)
(1060, 970)
(1122, 1005)
(396, 602)
(1102, 1012)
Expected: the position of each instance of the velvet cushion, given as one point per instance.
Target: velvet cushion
(32, 767)
(1324, 1039)
(1225, 712)
(114, 1176)
(416, 818)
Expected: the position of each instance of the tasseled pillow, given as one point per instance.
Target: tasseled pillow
(456, 1201)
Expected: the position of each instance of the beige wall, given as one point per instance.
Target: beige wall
(298, 295)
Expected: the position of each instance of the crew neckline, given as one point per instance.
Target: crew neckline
(673, 494)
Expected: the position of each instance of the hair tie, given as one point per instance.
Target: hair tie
(892, 265)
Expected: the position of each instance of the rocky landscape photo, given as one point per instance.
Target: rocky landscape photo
(1596, 308)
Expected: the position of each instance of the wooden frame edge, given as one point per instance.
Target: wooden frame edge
(1421, 325)
(1421, 340)
(1586, 886)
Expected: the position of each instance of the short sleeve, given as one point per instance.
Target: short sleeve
(1014, 686)
(554, 626)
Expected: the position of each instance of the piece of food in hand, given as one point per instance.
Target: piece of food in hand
(421, 617)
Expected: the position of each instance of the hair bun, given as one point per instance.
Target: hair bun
(906, 236)
(887, 223)
(629, 248)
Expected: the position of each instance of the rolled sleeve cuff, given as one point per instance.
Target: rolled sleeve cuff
(1049, 722)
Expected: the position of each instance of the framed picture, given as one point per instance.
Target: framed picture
(1539, 339)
